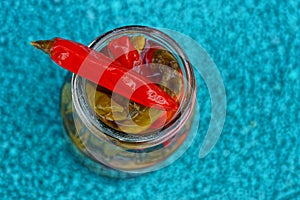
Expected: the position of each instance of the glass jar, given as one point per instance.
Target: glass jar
(112, 152)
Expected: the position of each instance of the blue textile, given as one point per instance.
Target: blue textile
(256, 46)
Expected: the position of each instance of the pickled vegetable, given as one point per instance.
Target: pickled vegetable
(128, 116)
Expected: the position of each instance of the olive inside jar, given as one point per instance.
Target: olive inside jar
(117, 136)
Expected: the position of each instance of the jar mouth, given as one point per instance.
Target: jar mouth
(88, 116)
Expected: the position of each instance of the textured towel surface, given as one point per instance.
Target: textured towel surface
(256, 46)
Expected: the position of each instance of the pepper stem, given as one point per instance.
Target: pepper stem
(44, 45)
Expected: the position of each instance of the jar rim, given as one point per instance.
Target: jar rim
(181, 116)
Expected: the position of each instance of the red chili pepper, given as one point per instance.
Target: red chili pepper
(103, 71)
(124, 52)
(150, 48)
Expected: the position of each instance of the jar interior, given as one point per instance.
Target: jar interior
(185, 101)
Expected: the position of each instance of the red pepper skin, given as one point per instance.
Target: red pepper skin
(103, 71)
(148, 50)
(124, 52)
(146, 56)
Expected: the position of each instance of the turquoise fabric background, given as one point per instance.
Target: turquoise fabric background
(256, 46)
